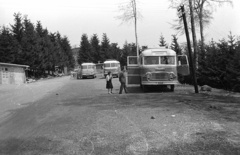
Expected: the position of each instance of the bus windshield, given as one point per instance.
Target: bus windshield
(87, 67)
(168, 60)
(151, 60)
(111, 65)
(84, 67)
(156, 60)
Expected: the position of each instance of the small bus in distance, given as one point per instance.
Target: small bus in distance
(111, 65)
(88, 70)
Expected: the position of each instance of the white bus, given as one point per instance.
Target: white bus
(111, 65)
(88, 70)
(157, 66)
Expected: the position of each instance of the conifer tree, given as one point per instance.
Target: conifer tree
(29, 43)
(175, 46)
(84, 51)
(105, 45)
(115, 50)
(162, 41)
(95, 49)
(17, 31)
(69, 60)
(8, 46)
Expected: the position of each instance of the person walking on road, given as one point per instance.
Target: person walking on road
(109, 84)
(122, 80)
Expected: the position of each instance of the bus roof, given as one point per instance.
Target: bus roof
(157, 52)
(111, 61)
(88, 63)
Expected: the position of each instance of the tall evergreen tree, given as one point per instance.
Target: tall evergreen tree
(41, 51)
(115, 50)
(105, 45)
(17, 31)
(46, 50)
(69, 61)
(8, 46)
(28, 43)
(61, 55)
(95, 49)
(84, 51)
(162, 42)
(17, 27)
(175, 46)
(54, 50)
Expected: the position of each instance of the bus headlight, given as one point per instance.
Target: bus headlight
(172, 76)
(148, 75)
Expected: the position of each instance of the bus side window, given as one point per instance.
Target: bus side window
(182, 60)
(133, 60)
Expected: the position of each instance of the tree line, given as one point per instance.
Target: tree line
(217, 63)
(96, 51)
(29, 44)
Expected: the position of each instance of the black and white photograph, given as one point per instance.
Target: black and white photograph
(120, 77)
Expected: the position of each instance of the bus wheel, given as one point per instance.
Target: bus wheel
(144, 88)
(172, 88)
(141, 86)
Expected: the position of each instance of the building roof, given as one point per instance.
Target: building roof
(13, 65)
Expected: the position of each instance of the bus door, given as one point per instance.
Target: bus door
(183, 65)
(133, 70)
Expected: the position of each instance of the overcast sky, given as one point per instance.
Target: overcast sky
(72, 18)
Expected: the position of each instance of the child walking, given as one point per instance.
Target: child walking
(109, 84)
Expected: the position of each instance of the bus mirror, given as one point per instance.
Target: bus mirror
(179, 63)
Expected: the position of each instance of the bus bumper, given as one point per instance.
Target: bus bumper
(159, 83)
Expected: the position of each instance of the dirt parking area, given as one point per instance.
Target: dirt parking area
(72, 117)
(18, 96)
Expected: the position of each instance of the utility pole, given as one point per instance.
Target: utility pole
(135, 24)
(193, 36)
(189, 47)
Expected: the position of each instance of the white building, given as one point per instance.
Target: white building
(12, 73)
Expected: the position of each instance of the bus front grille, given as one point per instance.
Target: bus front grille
(160, 76)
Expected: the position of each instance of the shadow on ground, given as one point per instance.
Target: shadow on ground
(208, 142)
(38, 145)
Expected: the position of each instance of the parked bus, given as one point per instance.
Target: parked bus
(88, 70)
(111, 65)
(158, 66)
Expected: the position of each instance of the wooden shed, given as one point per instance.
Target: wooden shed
(12, 73)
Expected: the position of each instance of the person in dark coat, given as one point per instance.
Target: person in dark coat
(109, 84)
(122, 80)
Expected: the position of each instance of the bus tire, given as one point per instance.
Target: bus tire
(144, 88)
(172, 88)
(141, 86)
